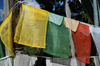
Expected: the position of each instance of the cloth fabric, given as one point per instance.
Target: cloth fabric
(71, 24)
(83, 29)
(95, 32)
(6, 34)
(31, 27)
(9, 62)
(82, 42)
(72, 46)
(68, 62)
(49, 63)
(22, 60)
(32, 61)
(6, 61)
(56, 64)
(68, 12)
(54, 18)
(63, 61)
(73, 62)
(79, 63)
(3, 63)
(58, 40)
(1, 50)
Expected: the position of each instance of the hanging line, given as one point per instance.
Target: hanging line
(15, 5)
(5, 57)
(49, 57)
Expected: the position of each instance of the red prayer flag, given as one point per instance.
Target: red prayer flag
(82, 42)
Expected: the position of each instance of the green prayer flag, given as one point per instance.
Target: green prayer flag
(58, 40)
(1, 50)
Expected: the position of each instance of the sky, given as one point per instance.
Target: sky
(1, 9)
(33, 3)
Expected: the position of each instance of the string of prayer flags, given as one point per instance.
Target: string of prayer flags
(71, 24)
(56, 19)
(63, 61)
(6, 61)
(49, 63)
(33, 61)
(95, 32)
(58, 40)
(82, 42)
(32, 26)
(74, 62)
(22, 60)
(6, 34)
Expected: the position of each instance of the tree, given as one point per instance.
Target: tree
(77, 9)
(54, 6)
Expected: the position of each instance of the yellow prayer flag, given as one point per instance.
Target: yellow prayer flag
(6, 34)
(31, 27)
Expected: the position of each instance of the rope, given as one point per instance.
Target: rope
(52, 57)
(18, 3)
(5, 58)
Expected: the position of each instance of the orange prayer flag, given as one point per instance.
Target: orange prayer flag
(82, 42)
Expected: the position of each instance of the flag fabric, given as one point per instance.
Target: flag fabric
(6, 33)
(22, 60)
(6, 61)
(31, 27)
(71, 24)
(95, 32)
(82, 42)
(58, 40)
(54, 18)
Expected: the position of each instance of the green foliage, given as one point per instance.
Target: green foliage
(54, 6)
(31, 50)
(91, 62)
(81, 14)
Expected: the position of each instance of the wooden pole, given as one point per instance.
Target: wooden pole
(17, 47)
